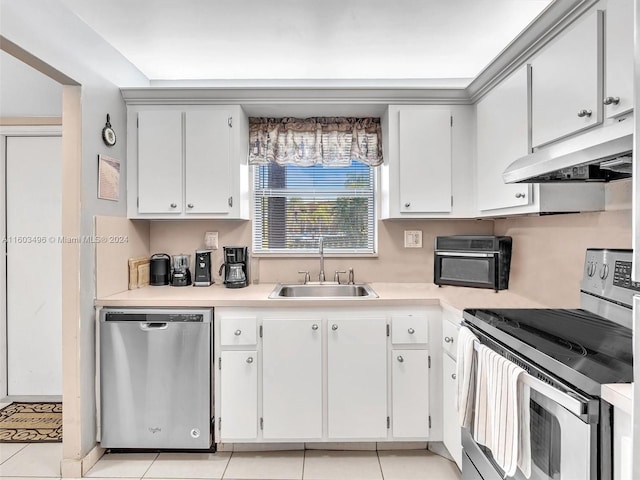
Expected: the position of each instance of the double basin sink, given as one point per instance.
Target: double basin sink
(323, 291)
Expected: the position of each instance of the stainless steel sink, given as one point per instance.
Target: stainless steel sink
(323, 290)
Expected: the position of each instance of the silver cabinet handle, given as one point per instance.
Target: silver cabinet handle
(611, 100)
(334, 327)
(190, 205)
(250, 360)
(407, 205)
(237, 332)
(520, 195)
(454, 376)
(411, 331)
(174, 205)
(584, 113)
(448, 339)
(314, 326)
(400, 358)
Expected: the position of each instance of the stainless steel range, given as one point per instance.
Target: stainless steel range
(573, 352)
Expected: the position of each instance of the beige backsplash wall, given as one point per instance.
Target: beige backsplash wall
(548, 251)
(394, 263)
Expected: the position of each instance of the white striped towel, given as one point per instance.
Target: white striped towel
(466, 376)
(501, 421)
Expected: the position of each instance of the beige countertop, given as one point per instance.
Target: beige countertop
(619, 395)
(389, 294)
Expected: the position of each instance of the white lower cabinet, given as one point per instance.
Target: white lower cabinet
(292, 378)
(451, 436)
(239, 382)
(357, 378)
(410, 393)
(325, 375)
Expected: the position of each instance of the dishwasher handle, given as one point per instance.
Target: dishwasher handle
(149, 326)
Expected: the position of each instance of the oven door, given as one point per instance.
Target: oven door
(466, 269)
(563, 446)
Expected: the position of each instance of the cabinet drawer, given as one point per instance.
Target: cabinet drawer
(238, 331)
(409, 329)
(450, 338)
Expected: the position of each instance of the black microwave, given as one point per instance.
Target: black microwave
(481, 261)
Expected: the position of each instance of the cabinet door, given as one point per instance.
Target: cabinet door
(451, 428)
(502, 137)
(207, 161)
(618, 57)
(425, 160)
(239, 395)
(292, 378)
(160, 162)
(357, 378)
(410, 393)
(566, 82)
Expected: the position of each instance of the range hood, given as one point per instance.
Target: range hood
(599, 155)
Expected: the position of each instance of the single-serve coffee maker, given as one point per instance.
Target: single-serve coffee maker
(180, 273)
(235, 266)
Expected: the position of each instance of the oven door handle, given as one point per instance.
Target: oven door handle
(466, 254)
(584, 408)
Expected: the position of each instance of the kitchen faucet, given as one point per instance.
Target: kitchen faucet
(321, 251)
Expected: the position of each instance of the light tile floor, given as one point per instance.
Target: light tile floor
(42, 461)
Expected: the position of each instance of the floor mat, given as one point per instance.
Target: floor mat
(31, 422)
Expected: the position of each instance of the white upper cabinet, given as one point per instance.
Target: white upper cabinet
(502, 137)
(567, 81)
(618, 84)
(159, 162)
(428, 169)
(187, 162)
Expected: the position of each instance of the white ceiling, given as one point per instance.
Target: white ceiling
(308, 39)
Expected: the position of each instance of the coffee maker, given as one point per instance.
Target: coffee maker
(202, 272)
(235, 266)
(180, 273)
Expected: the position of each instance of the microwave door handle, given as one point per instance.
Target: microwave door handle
(466, 254)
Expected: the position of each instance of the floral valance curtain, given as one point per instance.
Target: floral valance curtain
(305, 142)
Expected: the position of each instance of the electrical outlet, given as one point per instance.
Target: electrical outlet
(413, 239)
(211, 240)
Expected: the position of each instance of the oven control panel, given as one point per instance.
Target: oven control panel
(622, 276)
(607, 276)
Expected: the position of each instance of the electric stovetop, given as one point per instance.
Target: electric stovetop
(587, 343)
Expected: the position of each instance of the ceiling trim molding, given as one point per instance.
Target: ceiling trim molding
(353, 95)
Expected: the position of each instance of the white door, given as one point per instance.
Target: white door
(34, 264)
(357, 378)
(451, 436)
(502, 137)
(160, 183)
(410, 394)
(618, 57)
(239, 395)
(292, 378)
(566, 77)
(425, 160)
(207, 161)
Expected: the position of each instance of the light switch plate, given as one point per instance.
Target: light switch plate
(211, 240)
(413, 239)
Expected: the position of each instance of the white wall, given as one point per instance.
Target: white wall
(27, 92)
(50, 32)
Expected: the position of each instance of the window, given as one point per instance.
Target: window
(312, 178)
(294, 206)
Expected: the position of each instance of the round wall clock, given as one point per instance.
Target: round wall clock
(108, 135)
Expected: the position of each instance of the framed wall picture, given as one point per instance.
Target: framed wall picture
(108, 178)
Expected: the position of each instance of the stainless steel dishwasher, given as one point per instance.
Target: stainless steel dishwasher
(155, 378)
